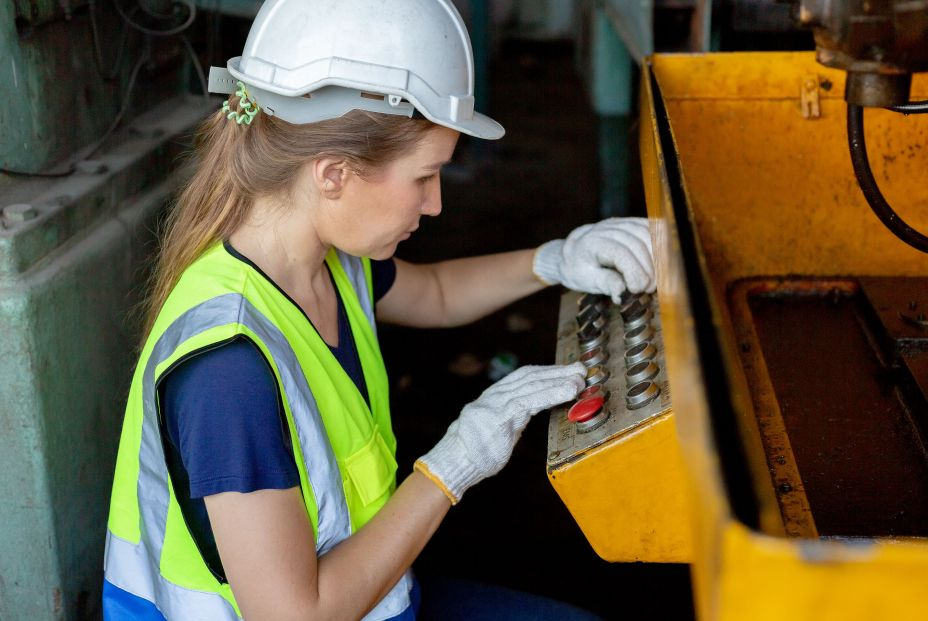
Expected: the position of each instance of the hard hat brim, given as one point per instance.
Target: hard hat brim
(480, 126)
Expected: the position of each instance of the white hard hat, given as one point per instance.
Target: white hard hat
(310, 60)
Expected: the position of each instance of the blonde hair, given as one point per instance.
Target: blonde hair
(235, 164)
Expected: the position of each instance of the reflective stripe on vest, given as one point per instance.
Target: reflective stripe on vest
(135, 567)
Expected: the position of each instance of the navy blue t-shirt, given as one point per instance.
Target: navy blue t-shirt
(224, 428)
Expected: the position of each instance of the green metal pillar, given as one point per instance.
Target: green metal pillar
(611, 77)
(73, 252)
(480, 41)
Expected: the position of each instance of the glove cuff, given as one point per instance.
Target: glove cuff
(447, 465)
(424, 470)
(547, 262)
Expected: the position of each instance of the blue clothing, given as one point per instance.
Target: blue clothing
(223, 424)
(445, 599)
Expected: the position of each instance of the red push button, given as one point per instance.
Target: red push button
(585, 409)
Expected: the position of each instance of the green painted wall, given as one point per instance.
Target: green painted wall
(55, 99)
(70, 275)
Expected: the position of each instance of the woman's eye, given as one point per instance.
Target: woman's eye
(429, 178)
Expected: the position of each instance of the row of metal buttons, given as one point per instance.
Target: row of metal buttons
(640, 364)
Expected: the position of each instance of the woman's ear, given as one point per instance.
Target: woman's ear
(329, 176)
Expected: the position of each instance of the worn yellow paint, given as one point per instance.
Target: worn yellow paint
(627, 495)
(770, 193)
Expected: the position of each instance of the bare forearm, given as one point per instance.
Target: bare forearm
(360, 571)
(266, 545)
(475, 287)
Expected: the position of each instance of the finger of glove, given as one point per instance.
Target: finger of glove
(534, 372)
(637, 227)
(634, 239)
(546, 396)
(622, 228)
(580, 231)
(611, 283)
(629, 224)
(536, 385)
(642, 232)
(532, 382)
(630, 257)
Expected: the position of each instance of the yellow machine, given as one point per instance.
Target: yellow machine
(790, 467)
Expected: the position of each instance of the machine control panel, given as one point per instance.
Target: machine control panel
(622, 348)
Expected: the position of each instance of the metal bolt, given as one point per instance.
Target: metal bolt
(19, 213)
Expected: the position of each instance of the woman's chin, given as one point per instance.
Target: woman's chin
(383, 253)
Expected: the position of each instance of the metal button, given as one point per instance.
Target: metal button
(595, 356)
(596, 375)
(587, 313)
(641, 372)
(588, 331)
(627, 299)
(592, 343)
(599, 302)
(640, 334)
(593, 423)
(593, 391)
(639, 320)
(592, 317)
(639, 353)
(633, 311)
(641, 394)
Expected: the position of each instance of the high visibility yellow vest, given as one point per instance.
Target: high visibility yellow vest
(344, 450)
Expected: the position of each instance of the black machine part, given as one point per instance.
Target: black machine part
(868, 185)
(880, 43)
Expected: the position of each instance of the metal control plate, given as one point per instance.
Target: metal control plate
(566, 442)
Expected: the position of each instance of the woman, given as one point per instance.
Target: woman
(256, 474)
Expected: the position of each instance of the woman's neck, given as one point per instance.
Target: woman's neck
(283, 242)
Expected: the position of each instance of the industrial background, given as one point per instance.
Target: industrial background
(98, 100)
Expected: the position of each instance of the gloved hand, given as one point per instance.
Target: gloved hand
(607, 257)
(479, 443)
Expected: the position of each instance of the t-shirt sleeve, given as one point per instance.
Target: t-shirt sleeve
(223, 414)
(383, 275)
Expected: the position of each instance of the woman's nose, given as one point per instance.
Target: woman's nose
(431, 206)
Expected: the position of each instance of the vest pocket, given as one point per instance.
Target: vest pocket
(372, 469)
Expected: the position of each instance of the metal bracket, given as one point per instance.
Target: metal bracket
(808, 98)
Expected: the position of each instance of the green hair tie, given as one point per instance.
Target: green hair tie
(249, 109)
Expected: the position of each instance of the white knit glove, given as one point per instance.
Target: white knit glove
(607, 257)
(479, 443)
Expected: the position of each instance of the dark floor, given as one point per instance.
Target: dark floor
(536, 184)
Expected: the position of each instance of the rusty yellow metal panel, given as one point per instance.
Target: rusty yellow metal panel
(770, 579)
(757, 170)
(772, 191)
(627, 496)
